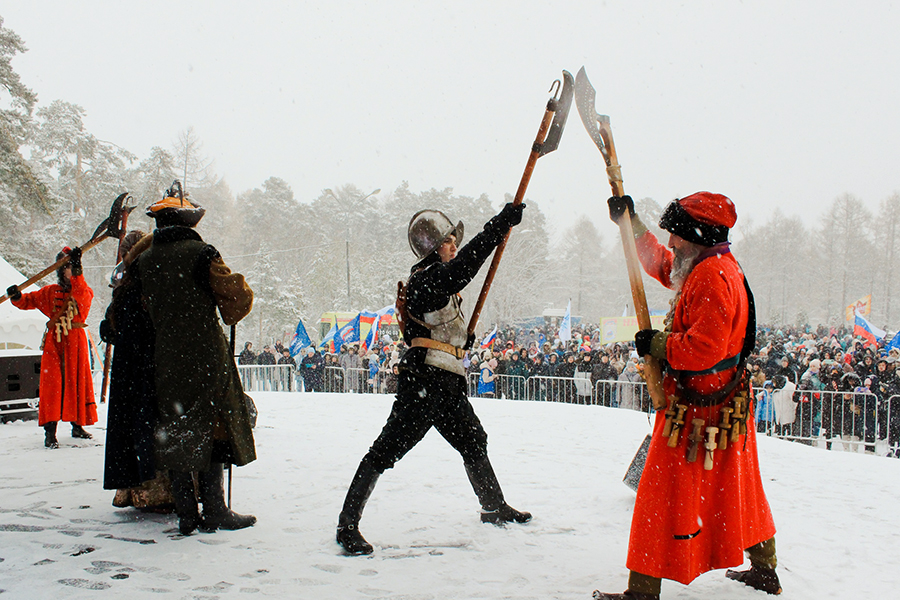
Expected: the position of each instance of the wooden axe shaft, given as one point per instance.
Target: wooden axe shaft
(652, 369)
(520, 195)
(55, 266)
(107, 357)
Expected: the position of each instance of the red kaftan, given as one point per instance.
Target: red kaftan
(66, 387)
(688, 520)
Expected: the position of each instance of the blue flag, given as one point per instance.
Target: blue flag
(894, 343)
(565, 328)
(347, 334)
(327, 342)
(301, 339)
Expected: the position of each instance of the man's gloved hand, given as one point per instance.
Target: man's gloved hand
(511, 215)
(652, 342)
(75, 256)
(618, 205)
(13, 292)
(470, 341)
(75, 261)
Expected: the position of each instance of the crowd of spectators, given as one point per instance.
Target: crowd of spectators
(811, 385)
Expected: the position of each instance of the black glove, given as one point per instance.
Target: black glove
(107, 333)
(75, 257)
(642, 341)
(510, 216)
(618, 205)
(470, 341)
(13, 293)
(75, 261)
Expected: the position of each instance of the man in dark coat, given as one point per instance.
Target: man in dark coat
(266, 357)
(311, 369)
(248, 356)
(204, 421)
(131, 417)
(432, 386)
(604, 371)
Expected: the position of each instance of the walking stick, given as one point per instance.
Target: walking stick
(547, 141)
(107, 357)
(231, 344)
(599, 129)
(110, 227)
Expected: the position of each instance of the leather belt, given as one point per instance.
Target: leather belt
(456, 351)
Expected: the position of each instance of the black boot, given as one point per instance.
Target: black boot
(50, 440)
(216, 515)
(494, 509)
(348, 535)
(185, 501)
(757, 577)
(79, 432)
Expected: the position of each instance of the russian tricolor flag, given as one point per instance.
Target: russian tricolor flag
(375, 320)
(489, 338)
(866, 330)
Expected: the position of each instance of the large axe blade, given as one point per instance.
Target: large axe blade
(585, 99)
(118, 212)
(599, 129)
(560, 110)
(110, 227)
(546, 141)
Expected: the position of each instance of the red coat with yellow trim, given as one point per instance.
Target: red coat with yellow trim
(67, 390)
(688, 520)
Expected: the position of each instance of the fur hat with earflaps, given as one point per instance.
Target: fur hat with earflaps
(703, 218)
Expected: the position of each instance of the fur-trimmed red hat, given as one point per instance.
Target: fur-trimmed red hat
(703, 218)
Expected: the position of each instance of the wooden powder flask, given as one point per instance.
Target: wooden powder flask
(670, 414)
(739, 416)
(677, 425)
(710, 447)
(695, 437)
(725, 426)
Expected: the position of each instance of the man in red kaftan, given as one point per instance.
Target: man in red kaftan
(698, 509)
(66, 388)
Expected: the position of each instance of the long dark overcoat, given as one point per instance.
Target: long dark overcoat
(199, 391)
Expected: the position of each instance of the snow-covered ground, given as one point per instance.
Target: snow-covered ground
(836, 512)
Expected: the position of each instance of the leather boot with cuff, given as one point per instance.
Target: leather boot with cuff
(216, 514)
(494, 509)
(79, 432)
(348, 535)
(50, 440)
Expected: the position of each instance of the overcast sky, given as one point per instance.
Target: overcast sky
(772, 103)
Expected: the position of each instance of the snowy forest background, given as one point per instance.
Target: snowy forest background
(57, 182)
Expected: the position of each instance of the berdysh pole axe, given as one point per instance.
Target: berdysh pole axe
(599, 129)
(110, 227)
(546, 141)
(120, 256)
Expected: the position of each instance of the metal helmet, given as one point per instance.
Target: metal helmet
(428, 229)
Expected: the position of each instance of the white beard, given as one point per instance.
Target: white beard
(683, 264)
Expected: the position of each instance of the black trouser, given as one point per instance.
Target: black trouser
(431, 398)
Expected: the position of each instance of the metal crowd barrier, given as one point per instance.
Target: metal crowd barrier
(511, 387)
(381, 382)
(541, 388)
(852, 421)
(333, 380)
(268, 378)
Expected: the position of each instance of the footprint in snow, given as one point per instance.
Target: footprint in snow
(85, 584)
